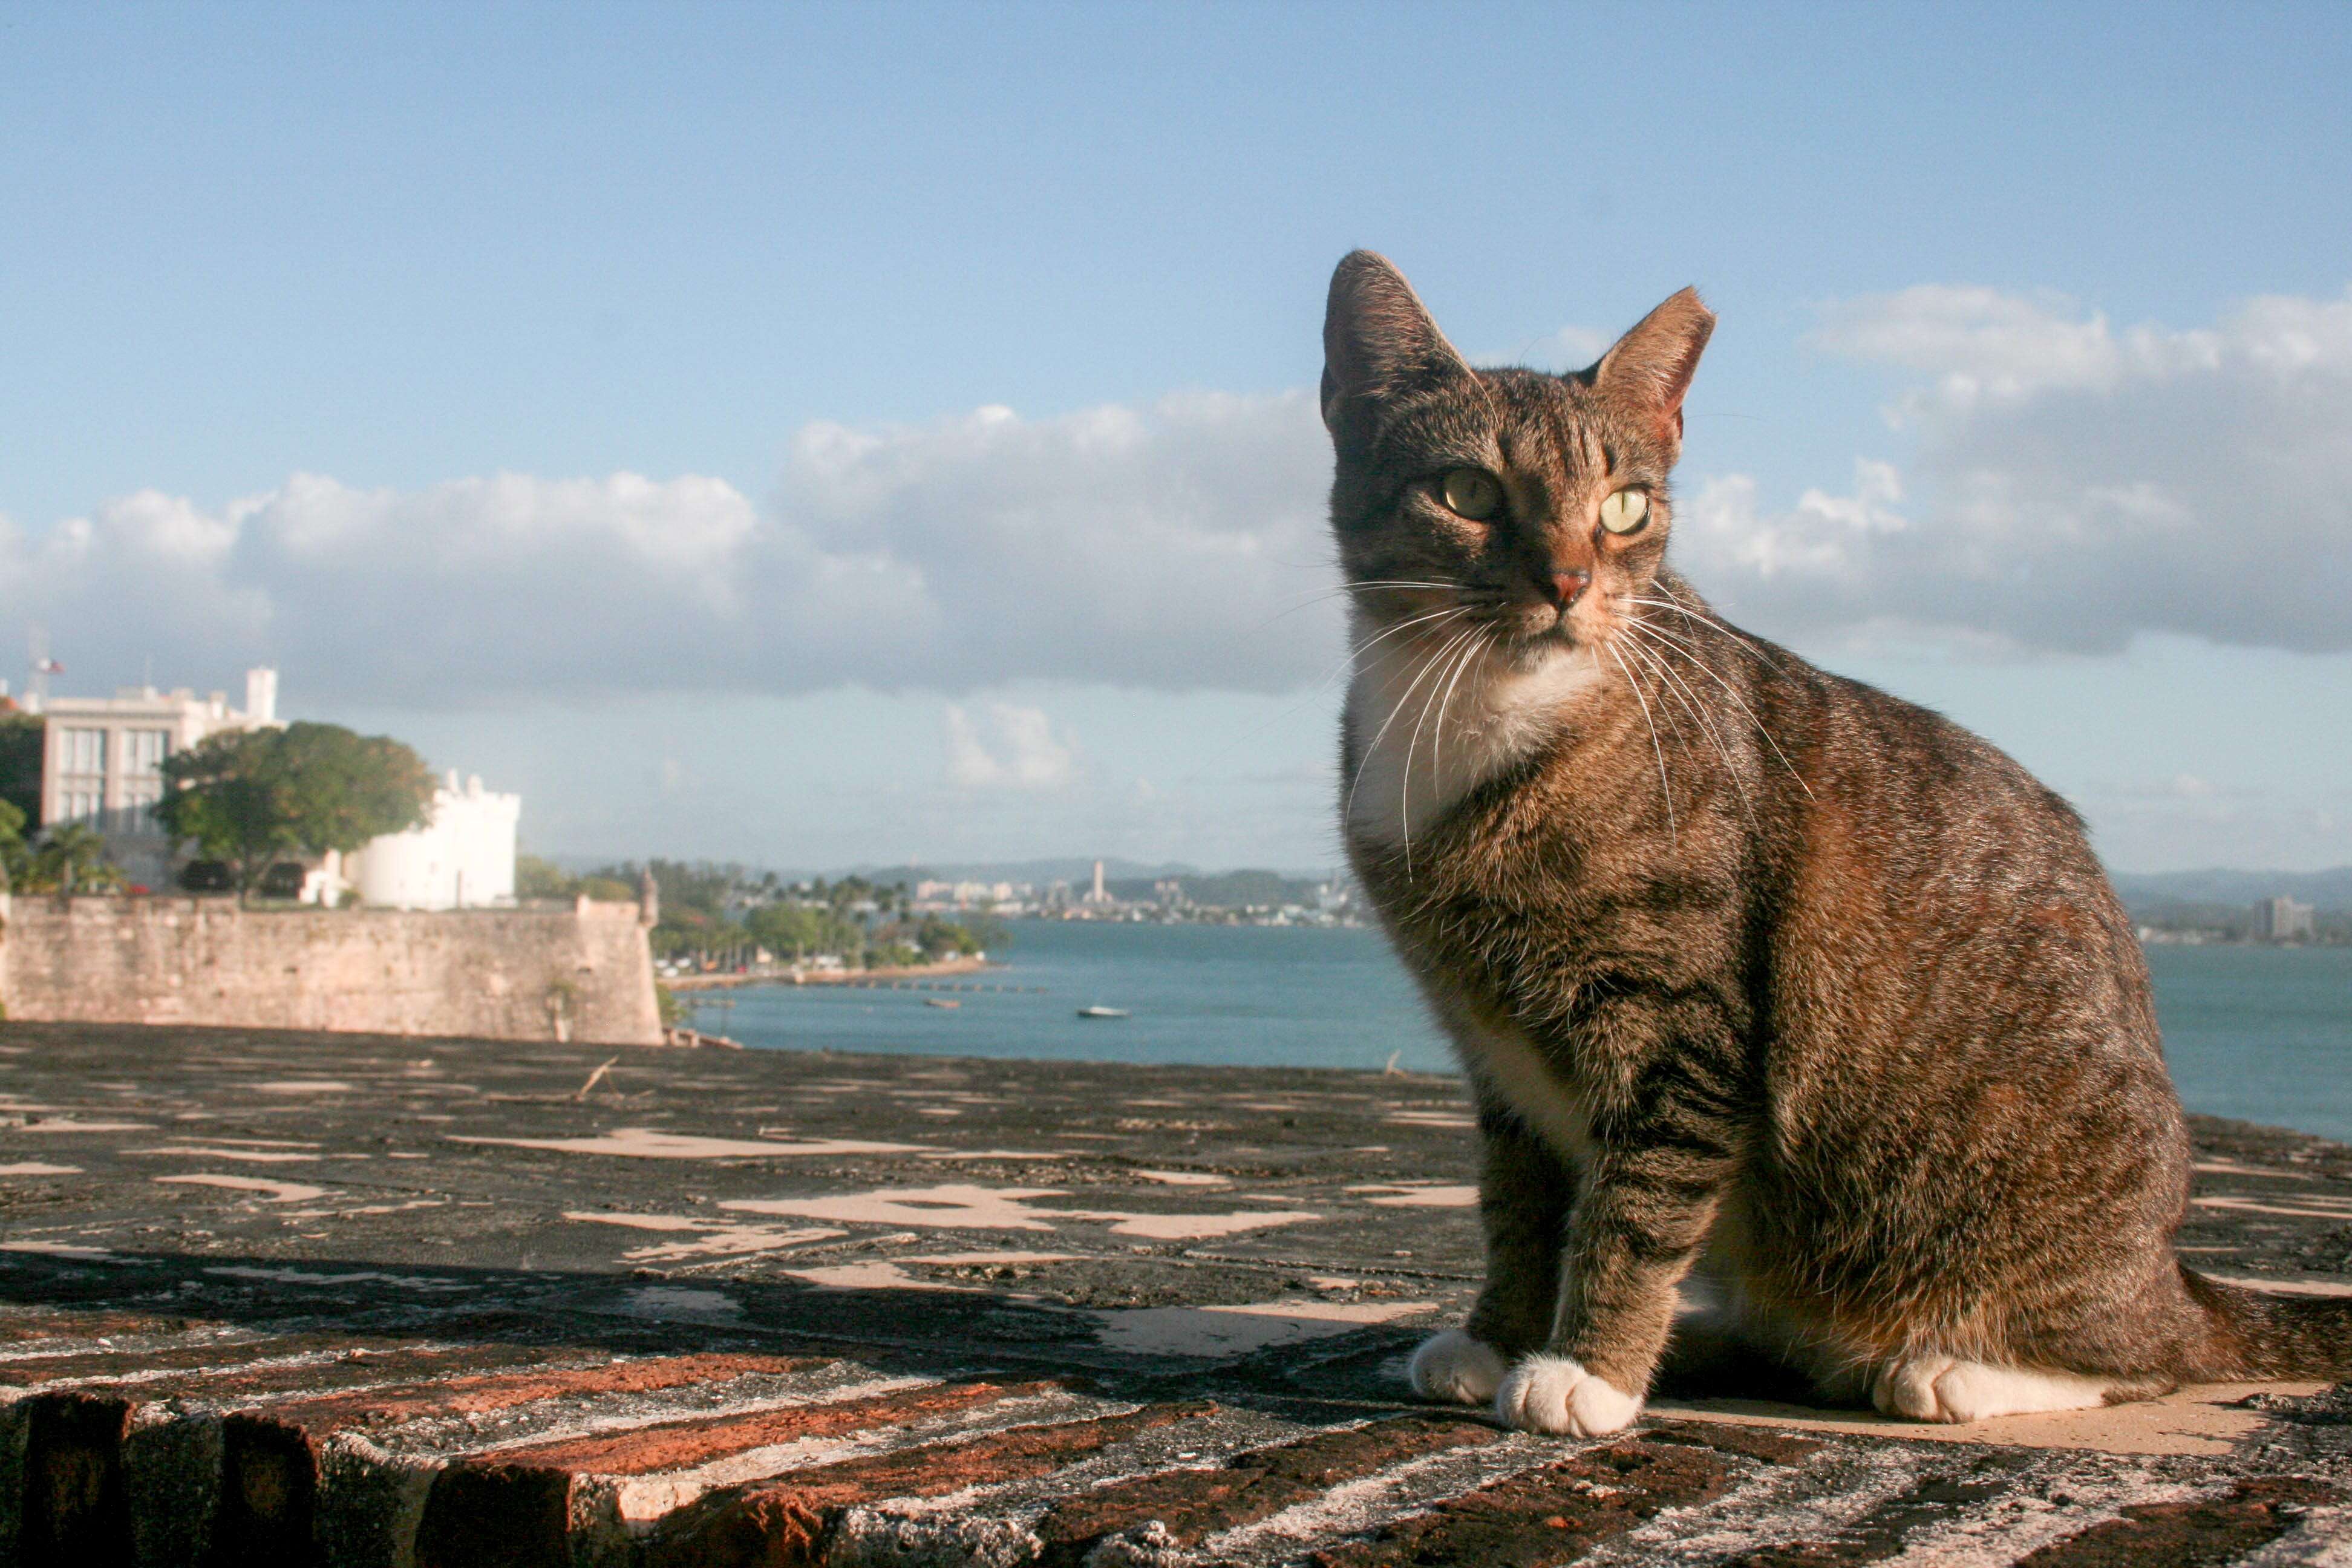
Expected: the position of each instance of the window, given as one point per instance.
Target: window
(81, 750)
(139, 809)
(82, 805)
(144, 752)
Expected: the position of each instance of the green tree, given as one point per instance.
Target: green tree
(72, 859)
(538, 878)
(246, 796)
(792, 929)
(22, 738)
(15, 859)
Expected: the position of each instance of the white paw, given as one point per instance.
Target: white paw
(1553, 1393)
(1453, 1365)
(1942, 1388)
(1908, 1388)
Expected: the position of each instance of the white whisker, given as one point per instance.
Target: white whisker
(1307, 598)
(1348, 807)
(1697, 711)
(1673, 602)
(1665, 788)
(1438, 738)
(1699, 659)
(1461, 639)
(1322, 684)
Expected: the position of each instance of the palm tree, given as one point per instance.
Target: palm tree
(73, 855)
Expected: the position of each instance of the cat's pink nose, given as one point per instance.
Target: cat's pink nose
(1567, 588)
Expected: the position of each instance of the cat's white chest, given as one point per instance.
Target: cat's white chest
(1430, 731)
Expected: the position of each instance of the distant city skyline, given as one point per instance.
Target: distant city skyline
(811, 437)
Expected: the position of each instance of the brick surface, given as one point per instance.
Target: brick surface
(2204, 1534)
(784, 1521)
(70, 1508)
(1190, 1505)
(1888, 1528)
(434, 1302)
(1553, 1515)
(482, 1394)
(668, 1446)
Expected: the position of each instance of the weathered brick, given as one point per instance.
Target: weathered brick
(1887, 1530)
(2201, 1533)
(69, 1508)
(781, 1522)
(1191, 1504)
(223, 1374)
(677, 1444)
(171, 1478)
(525, 1497)
(496, 1516)
(1774, 1447)
(33, 1328)
(268, 1494)
(482, 1394)
(264, 1464)
(1553, 1515)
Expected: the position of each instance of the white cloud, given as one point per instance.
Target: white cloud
(1006, 748)
(2073, 485)
(1157, 546)
(2070, 484)
(2185, 823)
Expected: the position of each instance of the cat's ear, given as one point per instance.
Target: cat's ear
(1651, 368)
(1377, 337)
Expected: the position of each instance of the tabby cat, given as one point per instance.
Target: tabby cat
(1768, 985)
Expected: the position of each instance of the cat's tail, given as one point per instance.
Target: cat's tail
(2257, 1333)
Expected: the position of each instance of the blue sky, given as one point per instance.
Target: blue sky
(613, 401)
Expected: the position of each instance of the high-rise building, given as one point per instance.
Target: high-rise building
(2283, 920)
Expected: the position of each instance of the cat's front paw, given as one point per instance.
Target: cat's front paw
(1454, 1366)
(1554, 1394)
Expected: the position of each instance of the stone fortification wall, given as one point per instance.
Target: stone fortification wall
(583, 973)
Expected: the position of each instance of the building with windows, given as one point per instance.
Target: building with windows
(2283, 920)
(102, 762)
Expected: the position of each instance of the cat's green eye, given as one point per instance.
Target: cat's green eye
(1473, 493)
(1624, 512)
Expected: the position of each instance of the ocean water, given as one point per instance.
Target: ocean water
(2263, 1034)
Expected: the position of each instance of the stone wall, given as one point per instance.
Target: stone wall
(581, 973)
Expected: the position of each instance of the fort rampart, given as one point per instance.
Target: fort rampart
(580, 972)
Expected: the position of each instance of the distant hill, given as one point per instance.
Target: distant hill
(2145, 894)
(1078, 873)
(1073, 871)
(2148, 893)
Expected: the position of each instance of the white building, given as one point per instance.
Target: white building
(462, 858)
(103, 757)
(2283, 920)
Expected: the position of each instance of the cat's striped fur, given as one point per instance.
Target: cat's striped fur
(1758, 974)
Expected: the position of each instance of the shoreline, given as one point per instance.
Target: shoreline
(880, 976)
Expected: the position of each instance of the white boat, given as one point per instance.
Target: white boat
(1102, 1011)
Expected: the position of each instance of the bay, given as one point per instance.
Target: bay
(2263, 1034)
(2260, 1034)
